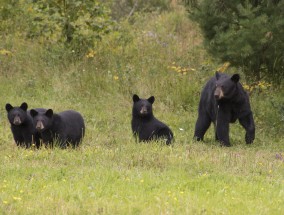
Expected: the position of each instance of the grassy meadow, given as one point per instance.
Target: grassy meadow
(155, 54)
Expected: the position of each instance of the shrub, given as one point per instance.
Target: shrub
(75, 24)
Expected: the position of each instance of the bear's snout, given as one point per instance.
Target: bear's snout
(143, 110)
(218, 93)
(17, 120)
(39, 125)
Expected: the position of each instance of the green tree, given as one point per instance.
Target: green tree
(247, 33)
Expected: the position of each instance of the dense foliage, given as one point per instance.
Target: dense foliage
(75, 24)
(247, 33)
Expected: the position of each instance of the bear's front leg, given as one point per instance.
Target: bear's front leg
(47, 138)
(19, 139)
(215, 131)
(222, 127)
(36, 139)
(248, 123)
(202, 124)
(28, 138)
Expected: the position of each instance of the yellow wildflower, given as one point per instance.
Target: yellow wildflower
(30, 9)
(246, 87)
(5, 52)
(17, 198)
(91, 54)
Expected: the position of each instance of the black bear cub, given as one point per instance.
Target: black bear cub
(66, 127)
(144, 125)
(22, 127)
(223, 101)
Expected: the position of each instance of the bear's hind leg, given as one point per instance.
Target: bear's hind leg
(248, 124)
(163, 134)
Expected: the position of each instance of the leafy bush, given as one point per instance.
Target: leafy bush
(76, 24)
(13, 17)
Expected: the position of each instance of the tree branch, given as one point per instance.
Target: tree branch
(133, 9)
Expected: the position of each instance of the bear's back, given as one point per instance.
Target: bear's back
(72, 124)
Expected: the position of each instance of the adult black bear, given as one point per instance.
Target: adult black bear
(22, 127)
(144, 125)
(67, 127)
(223, 101)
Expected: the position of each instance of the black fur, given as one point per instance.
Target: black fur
(223, 101)
(144, 125)
(22, 127)
(66, 127)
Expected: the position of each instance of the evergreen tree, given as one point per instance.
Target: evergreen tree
(247, 33)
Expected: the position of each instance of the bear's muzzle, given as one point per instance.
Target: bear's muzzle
(17, 120)
(39, 125)
(143, 111)
(218, 93)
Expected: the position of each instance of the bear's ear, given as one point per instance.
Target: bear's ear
(33, 112)
(8, 107)
(24, 106)
(151, 99)
(235, 78)
(217, 75)
(49, 113)
(135, 98)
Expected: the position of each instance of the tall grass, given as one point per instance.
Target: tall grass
(110, 173)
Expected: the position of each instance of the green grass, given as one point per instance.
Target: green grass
(110, 173)
(128, 178)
